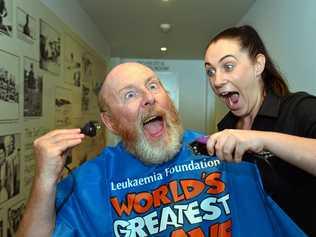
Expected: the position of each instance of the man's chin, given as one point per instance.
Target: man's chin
(159, 150)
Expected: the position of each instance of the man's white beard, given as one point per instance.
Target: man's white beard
(161, 150)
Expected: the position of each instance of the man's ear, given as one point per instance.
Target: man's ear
(260, 64)
(107, 121)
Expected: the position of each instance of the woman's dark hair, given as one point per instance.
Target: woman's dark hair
(250, 40)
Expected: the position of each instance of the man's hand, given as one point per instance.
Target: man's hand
(231, 144)
(50, 153)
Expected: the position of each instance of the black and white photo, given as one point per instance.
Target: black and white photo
(6, 17)
(33, 89)
(9, 86)
(26, 26)
(85, 98)
(15, 213)
(50, 45)
(10, 177)
(63, 107)
(73, 64)
(88, 68)
(88, 73)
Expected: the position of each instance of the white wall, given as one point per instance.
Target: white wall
(71, 13)
(288, 30)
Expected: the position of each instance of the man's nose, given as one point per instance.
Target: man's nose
(148, 99)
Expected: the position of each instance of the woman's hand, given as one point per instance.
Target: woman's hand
(232, 144)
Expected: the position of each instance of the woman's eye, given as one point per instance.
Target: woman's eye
(210, 72)
(130, 95)
(229, 67)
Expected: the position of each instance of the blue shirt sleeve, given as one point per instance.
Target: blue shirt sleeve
(63, 230)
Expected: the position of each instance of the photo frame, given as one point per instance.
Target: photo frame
(33, 89)
(49, 48)
(9, 86)
(72, 61)
(63, 107)
(10, 163)
(26, 26)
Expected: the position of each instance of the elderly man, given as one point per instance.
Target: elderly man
(135, 106)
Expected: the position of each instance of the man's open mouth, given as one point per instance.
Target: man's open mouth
(154, 125)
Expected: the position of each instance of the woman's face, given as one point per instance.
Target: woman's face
(234, 77)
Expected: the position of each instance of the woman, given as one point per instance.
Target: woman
(264, 116)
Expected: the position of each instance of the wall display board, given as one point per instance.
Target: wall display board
(6, 17)
(26, 26)
(9, 86)
(50, 45)
(33, 89)
(46, 73)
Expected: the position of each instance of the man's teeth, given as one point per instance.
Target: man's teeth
(224, 93)
(150, 118)
(227, 93)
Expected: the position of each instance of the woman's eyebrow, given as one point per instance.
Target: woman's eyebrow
(221, 59)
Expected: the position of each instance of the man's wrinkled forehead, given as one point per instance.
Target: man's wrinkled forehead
(128, 74)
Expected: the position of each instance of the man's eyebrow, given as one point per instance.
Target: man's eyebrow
(221, 59)
(153, 77)
(126, 87)
(131, 86)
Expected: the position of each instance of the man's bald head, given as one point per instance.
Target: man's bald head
(123, 71)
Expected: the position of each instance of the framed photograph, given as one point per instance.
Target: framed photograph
(50, 44)
(10, 163)
(15, 213)
(33, 89)
(73, 63)
(9, 86)
(26, 26)
(63, 107)
(85, 98)
(6, 17)
(88, 74)
(88, 68)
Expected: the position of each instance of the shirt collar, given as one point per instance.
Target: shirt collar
(270, 108)
(271, 105)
